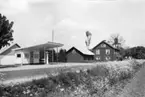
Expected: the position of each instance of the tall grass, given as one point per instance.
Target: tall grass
(97, 81)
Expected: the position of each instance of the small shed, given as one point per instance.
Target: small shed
(7, 54)
(79, 55)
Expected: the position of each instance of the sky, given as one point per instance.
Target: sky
(34, 21)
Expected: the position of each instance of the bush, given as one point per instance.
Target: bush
(99, 70)
(136, 65)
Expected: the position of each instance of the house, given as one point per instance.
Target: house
(79, 55)
(105, 52)
(36, 54)
(7, 55)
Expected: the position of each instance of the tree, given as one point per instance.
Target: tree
(5, 31)
(138, 52)
(52, 56)
(135, 52)
(62, 55)
(88, 39)
(116, 41)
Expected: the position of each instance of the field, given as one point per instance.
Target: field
(106, 79)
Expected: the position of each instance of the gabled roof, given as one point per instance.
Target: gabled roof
(83, 51)
(4, 49)
(106, 44)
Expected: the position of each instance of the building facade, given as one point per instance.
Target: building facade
(37, 54)
(105, 52)
(7, 54)
(76, 55)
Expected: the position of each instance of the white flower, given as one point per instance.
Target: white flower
(62, 89)
(28, 91)
(77, 71)
(31, 94)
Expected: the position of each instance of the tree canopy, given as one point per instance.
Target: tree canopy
(88, 39)
(135, 52)
(116, 41)
(62, 55)
(5, 31)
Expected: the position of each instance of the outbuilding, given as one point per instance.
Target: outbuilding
(79, 55)
(7, 54)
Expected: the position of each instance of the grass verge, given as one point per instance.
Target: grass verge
(102, 80)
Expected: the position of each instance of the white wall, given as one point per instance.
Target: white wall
(23, 59)
(7, 60)
(26, 59)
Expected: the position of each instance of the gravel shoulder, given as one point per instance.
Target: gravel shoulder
(136, 87)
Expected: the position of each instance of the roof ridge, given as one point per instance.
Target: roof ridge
(6, 48)
(83, 51)
(105, 43)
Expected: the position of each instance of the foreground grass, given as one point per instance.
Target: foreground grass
(102, 80)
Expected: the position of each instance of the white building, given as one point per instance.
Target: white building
(7, 55)
(36, 54)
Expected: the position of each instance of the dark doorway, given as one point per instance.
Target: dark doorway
(31, 57)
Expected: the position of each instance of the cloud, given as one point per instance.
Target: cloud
(73, 37)
(39, 1)
(13, 6)
(93, 1)
(18, 6)
(69, 23)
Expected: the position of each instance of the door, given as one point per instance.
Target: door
(31, 57)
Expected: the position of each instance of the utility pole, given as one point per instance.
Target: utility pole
(52, 35)
(52, 41)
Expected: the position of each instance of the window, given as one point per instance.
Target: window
(26, 55)
(103, 45)
(108, 58)
(97, 58)
(36, 55)
(107, 52)
(18, 55)
(115, 53)
(74, 52)
(97, 52)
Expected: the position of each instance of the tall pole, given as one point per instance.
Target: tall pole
(52, 41)
(52, 35)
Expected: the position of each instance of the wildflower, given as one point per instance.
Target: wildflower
(77, 71)
(24, 92)
(31, 94)
(28, 91)
(62, 89)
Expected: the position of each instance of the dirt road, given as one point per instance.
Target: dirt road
(136, 88)
(29, 72)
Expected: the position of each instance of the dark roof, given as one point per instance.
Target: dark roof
(106, 44)
(79, 51)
